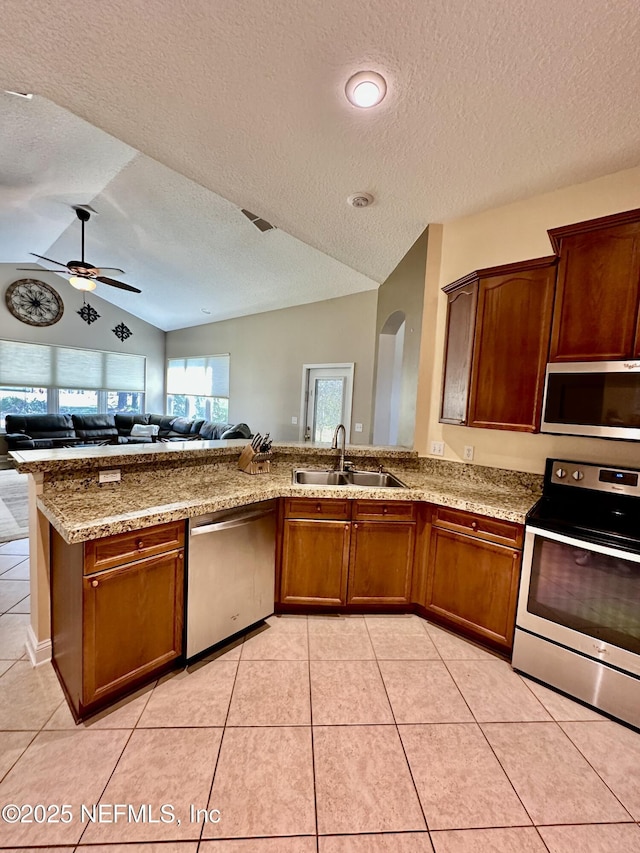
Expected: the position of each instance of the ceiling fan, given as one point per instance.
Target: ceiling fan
(83, 276)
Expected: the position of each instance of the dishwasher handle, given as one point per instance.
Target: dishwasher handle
(231, 522)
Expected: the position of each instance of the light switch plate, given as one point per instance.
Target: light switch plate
(294, 419)
(358, 427)
(437, 448)
(109, 476)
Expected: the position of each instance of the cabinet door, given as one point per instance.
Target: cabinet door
(315, 560)
(381, 562)
(461, 315)
(596, 302)
(132, 623)
(473, 584)
(511, 345)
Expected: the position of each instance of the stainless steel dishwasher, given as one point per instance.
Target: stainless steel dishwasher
(231, 573)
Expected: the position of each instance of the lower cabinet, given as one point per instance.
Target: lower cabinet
(473, 574)
(115, 628)
(330, 560)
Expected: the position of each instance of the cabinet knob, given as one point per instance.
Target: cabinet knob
(356, 526)
(318, 507)
(94, 583)
(140, 544)
(474, 524)
(384, 510)
(346, 527)
(180, 555)
(515, 555)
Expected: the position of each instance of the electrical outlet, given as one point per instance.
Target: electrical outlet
(468, 452)
(109, 476)
(437, 448)
(358, 427)
(294, 419)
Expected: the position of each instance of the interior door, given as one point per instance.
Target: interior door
(328, 401)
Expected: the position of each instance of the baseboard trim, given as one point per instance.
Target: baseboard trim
(39, 652)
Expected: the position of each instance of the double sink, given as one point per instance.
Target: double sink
(351, 477)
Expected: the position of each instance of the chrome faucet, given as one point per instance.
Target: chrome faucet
(334, 443)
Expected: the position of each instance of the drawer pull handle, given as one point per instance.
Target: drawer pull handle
(140, 544)
(94, 583)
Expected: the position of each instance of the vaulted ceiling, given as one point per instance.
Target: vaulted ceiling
(168, 116)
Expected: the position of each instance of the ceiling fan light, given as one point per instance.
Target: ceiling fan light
(82, 283)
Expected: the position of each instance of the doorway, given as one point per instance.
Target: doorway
(327, 392)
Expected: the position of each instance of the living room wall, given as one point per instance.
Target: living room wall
(514, 232)
(268, 351)
(71, 330)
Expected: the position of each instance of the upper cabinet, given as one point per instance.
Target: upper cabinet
(498, 328)
(595, 314)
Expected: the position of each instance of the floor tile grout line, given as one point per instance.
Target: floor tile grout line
(9, 769)
(404, 752)
(224, 731)
(313, 751)
(604, 782)
(106, 785)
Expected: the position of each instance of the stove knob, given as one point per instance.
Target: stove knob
(578, 475)
(560, 473)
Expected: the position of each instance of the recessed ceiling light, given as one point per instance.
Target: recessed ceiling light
(366, 89)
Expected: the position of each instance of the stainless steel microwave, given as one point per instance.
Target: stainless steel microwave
(596, 398)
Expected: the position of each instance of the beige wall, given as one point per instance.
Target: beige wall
(71, 330)
(268, 351)
(514, 232)
(404, 291)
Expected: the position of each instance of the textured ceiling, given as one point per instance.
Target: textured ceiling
(488, 102)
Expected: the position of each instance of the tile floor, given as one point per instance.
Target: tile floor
(316, 735)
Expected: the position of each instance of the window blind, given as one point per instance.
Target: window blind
(205, 376)
(41, 366)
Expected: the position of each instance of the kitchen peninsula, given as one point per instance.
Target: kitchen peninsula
(460, 527)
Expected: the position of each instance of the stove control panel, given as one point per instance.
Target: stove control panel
(584, 475)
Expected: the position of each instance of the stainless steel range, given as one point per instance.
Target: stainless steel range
(578, 618)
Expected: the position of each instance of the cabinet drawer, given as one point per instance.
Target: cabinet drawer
(123, 548)
(384, 510)
(317, 508)
(491, 529)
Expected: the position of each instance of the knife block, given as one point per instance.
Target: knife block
(254, 463)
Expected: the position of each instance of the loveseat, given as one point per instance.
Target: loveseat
(28, 432)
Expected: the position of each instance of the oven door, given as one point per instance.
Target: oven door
(582, 596)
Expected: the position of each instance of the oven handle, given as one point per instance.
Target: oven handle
(582, 543)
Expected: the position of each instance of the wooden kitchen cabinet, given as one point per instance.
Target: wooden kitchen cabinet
(595, 313)
(334, 562)
(497, 347)
(472, 580)
(115, 628)
(315, 561)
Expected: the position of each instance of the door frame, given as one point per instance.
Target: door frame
(348, 396)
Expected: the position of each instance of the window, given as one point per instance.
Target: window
(36, 379)
(198, 387)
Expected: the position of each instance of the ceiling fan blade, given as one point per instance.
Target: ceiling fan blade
(111, 270)
(51, 261)
(119, 284)
(30, 269)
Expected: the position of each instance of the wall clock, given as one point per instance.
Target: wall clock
(34, 302)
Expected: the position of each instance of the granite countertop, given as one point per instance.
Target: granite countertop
(173, 453)
(80, 509)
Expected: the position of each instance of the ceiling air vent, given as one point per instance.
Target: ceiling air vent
(261, 224)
